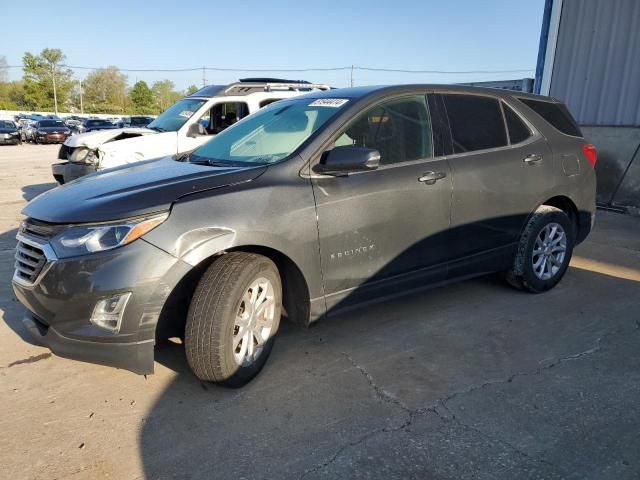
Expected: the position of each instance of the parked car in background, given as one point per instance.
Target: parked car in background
(28, 128)
(76, 126)
(177, 129)
(309, 207)
(50, 131)
(137, 121)
(95, 124)
(9, 132)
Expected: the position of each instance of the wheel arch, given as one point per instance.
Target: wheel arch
(567, 205)
(295, 291)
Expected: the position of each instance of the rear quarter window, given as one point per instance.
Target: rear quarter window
(556, 114)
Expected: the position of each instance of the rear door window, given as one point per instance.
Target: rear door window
(556, 114)
(475, 121)
(268, 101)
(518, 130)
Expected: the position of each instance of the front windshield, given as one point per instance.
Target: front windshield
(176, 115)
(98, 123)
(271, 134)
(7, 124)
(51, 123)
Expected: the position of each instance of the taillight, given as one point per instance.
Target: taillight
(591, 152)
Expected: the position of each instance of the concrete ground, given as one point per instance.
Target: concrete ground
(474, 380)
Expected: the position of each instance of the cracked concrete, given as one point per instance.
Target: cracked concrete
(473, 380)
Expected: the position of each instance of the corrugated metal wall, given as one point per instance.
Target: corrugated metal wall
(597, 62)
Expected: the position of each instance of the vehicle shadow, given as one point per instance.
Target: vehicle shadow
(328, 388)
(29, 192)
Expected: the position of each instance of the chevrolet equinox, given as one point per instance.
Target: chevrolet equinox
(312, 205)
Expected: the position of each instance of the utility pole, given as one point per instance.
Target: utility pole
(55, 94)
(352, 75)
(204, 76)
(81, 107)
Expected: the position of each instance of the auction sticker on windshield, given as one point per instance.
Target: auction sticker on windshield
(328, 102)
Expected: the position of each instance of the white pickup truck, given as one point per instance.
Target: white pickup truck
(184, 126)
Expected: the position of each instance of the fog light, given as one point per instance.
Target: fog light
(108, 312)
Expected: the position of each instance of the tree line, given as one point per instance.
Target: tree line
(105, 90)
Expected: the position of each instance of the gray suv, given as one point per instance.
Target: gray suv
(310, 206)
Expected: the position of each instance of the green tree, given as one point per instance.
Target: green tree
(105, 91)
(165, 94)
(47, 82)
(142, 101)
(12, 95)
(191, 89)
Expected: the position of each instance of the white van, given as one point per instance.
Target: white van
(186, 125)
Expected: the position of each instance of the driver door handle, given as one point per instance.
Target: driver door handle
(429, 178)
(532, 159)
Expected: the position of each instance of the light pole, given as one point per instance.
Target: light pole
(55, 93)
(81, 107)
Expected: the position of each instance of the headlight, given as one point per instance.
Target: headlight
(85, 239)
(91, 157)
(14, 133)
(83, 155)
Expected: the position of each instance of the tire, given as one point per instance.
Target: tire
(540, 264)
(223, 296)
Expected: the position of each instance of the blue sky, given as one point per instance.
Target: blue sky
(448, 35)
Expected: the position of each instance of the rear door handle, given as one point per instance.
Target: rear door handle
(532, 159)
(432, 177)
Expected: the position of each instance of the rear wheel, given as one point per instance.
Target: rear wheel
(544, 251)
(233, 318)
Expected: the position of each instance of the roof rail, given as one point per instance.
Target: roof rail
(250, 87)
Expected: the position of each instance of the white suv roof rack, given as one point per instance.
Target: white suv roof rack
(250, 87)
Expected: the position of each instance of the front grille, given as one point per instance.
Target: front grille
(33, 252)
(39, 229)
(30, 260)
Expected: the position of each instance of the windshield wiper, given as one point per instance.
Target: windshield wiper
(224, 163)
(158, 129)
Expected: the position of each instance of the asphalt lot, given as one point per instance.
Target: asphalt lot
(473, 380)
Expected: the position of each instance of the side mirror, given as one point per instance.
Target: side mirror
(347, 159)
(196, 130)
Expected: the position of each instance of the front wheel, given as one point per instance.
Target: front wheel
(544, 251)
(233, 318)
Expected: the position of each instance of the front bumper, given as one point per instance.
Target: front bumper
(9, 140)
(51, 138)
(134, 356)
(61, 301)
(65, 172)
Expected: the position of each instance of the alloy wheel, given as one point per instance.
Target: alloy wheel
(549, 251)
(254, 321)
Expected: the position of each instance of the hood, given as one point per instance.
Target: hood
(98, 137)
(129, 191)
